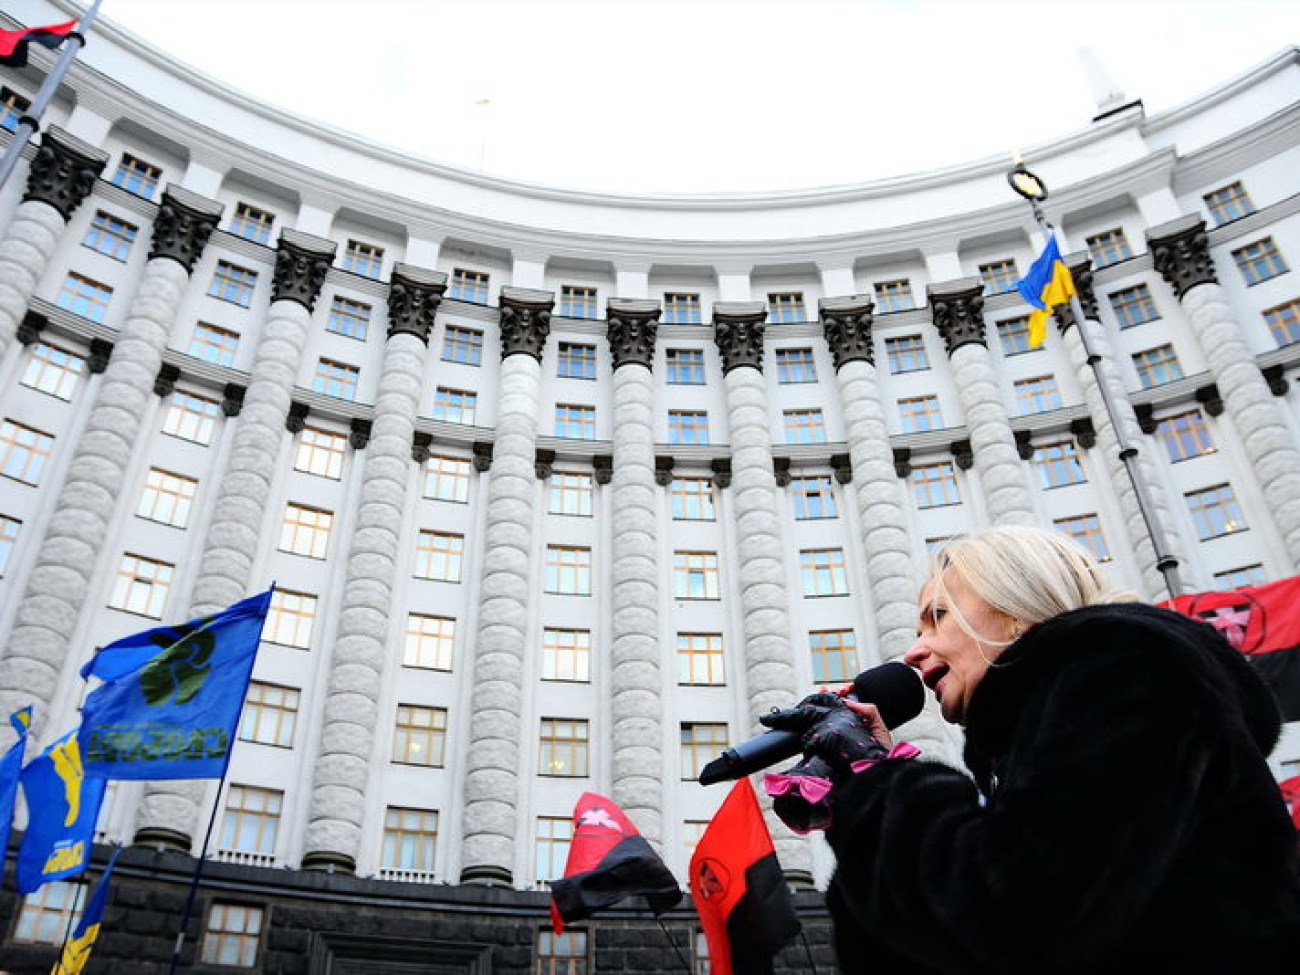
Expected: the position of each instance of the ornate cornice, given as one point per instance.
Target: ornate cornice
(1085, 434)
(1180, 251)
(842, 468)
(232, 400)
(30, 328)
(420, 444)
(164, 384)
(781, 471)
(296, 419)
(847, 325)
(359, 434)
(100, 350)
(903, 461)
(957, 308)
(738, 331)
(664, 470)
(414, 294)
(543, 463)
(962, 454)
(301, 263)
(721, 467)
(182, 226)
(602, 465)
(63, 171)
(633, 325)
(525, 321)
(482, 456)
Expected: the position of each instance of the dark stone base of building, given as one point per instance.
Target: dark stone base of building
(333, 924)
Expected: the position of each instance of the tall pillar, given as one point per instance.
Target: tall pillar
(39, 645)
(1181, 253)
(636, 682)
(169, 810)
(351, 712)
(61, 176)
(957, 308)
(490, 822)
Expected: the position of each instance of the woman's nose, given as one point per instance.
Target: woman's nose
(915, 654)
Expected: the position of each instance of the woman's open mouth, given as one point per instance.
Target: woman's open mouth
(934, 675)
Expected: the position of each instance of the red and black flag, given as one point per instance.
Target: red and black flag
(13, 43)
(1263, 622)
(608, 860)
(740, 893)
(1291, 796)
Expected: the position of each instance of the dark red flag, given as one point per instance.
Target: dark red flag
(740, 893)
(13, 43)
(608, 860)
(1263, 622)
(1291, 796)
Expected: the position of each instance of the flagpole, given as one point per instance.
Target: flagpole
(686, 965)
(1034, 191)
(803, 936)
(67, 929)
(30, 121)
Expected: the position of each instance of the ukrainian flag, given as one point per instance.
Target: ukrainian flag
(1047, 284)
(76, 952)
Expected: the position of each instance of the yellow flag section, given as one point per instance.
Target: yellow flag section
(76, 952)
(1047, 285)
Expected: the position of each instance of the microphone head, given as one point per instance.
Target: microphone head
(894, 688)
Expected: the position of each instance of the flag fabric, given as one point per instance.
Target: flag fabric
(1263, 622)
(1291, 796)
(11, 767)
(171, 696)
(608, 860)
(62, 806)
(76, 951)
(1047, 284)
(13, 43)
(742, 898)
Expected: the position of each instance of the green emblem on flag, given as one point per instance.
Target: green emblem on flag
(180, 671)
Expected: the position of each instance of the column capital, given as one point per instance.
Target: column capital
(414, 294)
(847, 323)
(63, 171)
(738, 332)
(301, 263)
(30, 328)
(182, 226)
(164, 384)
(633, 326)
(525, 321)
(957, 309)
(232, 399)
(1180, 251)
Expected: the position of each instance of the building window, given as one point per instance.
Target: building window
(551, 846)
(53, 370)
(336, 379)
(252, 820)
(1215, 512)
(191, 417)
(795, 366)
(1037, 395)
(23, 451)
(13, 107)
(446, 478)
(320, 452)
(111, 236)
(455, 405)
(804, 426)
(934, 485)
(410, 839)
(82, 296)
(823, 572)
(1228, 203)
(1259, 261)
(575, 422)
(420, 735)
(894, 296)
(1109, 247)
(685, 367)
(251, 223)
(1185, 435)
(305, 530)
(919, 414)
(1157, 366)
(700, 659)
(463, 345)
(141, 586)
(681, 308)
(47, 913)
(695, 575)
(692, 832)
(693, 499)
(1058, 464)
(350, 318)
(366, 260)
(438, 556)
(563, 748)
(576, 361)
(1134, 306)
(1086, 530)
(1013, 334)
(701, 743)
(270, 714)
(814, 497)
(429, 642)
(213, 344)
(577, 301)
(561, 954)
(469, 286)
(568, 570)
(906, 353)
(701, 960)
(1284, 322)
(233, 935)
(834, 656)
(999, 277)
(167, 498)
(785, 306)
(137, 176)
(688, 427)
(233, 283)
(9, 528)
(291, 618)
(1246, 575)
(566, 655)
(571, 494)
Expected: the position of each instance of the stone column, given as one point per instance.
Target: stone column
(39, 645)
(1180, 251)
(957, 308)
(636, 682)
(351, 712)
(61, 176)
(169, 810)
(490, 822)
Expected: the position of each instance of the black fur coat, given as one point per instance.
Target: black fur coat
(1122, 818)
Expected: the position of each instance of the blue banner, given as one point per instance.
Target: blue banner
(11, 767)
(76, 951)
(171, 699)
(62, 806)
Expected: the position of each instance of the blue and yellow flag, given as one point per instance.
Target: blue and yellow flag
(171, 696)
(62, 806)
(1047, 284)
(11, 767)
(76, 951)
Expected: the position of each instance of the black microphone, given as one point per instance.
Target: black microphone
(894, 688)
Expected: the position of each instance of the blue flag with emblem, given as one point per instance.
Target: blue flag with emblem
(171, 696)
(11, 767)
(62, 806)
(76, 951)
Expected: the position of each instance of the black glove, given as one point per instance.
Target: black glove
(808, 713)
(841, 740)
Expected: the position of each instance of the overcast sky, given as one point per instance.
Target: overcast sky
(708, 95)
